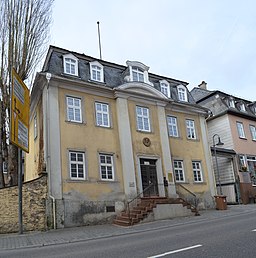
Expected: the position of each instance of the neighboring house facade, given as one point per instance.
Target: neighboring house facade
(105, 132)
(234, 120)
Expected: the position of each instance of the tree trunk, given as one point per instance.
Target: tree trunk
(2, 184)
(13, 164)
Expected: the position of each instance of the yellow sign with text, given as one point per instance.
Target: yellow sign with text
(19, 113)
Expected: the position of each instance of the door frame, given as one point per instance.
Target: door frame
(159, 173)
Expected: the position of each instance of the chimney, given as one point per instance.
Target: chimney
(203, 85)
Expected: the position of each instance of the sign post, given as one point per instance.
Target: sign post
(19, 128)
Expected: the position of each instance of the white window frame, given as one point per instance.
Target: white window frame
(190, 129)
(178, 169)
(109, 167)
(74, 108)
(143, 119)
(97, 69)
(253, 132)
(35, 127)
(77, 163)
(137, 74)
(197, 171)
(70, 61)
(240, 130)
(182, 93)
(231, 103)
(102, 114)
(242, 107)
(138, 67)
(172, 126)
(165, 88)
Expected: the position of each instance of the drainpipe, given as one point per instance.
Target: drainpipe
(48, 156)
(54, 211)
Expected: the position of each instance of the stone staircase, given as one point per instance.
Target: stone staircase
(145, 206)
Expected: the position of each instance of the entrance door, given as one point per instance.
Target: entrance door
(149, 176)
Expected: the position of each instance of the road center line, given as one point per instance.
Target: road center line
(175, 251)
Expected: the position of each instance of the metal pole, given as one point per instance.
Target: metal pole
(99, 38)
(217, 167)
(20, 189)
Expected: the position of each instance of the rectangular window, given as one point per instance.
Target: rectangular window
(172, 126)
(165, 89)
(240, 129)
(96, 73)
(35, 126)
(143, 123)
(178, 171)
(102, 114)
(137, 74)
(74, 112)
(77, 165)
(253, 132)
(197, 171)
(106, 167)
(191, 131)
(70, 66)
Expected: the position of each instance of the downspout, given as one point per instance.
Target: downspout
(48, 156)
(54, 211)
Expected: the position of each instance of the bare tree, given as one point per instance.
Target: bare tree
(24, 34)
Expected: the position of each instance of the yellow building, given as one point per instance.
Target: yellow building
(105, 132)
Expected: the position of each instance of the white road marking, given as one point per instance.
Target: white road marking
(175, 251)
(254, 230)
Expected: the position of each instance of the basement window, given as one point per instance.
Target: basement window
(110, 209)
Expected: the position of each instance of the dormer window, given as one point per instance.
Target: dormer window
(138, 72)
(97, 73)
(165, 88)
(231, 103)
(182, 93)
(242, 107)
(70, 64)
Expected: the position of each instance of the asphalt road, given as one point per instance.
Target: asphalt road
(231, 236)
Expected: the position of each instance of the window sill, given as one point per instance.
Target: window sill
(141, 131)
(74, 122)
(242, 138)
(200, 183)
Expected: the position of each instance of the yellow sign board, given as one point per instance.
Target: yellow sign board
(19, 113)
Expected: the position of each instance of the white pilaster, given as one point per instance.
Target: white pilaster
(126, 148)
(166, 153)
(52, 141)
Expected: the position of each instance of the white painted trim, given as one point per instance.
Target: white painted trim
(166, 153)
(126, 148)
(101, 73)
(76, 64)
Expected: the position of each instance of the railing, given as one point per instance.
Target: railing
(194, 197)
(136, 198)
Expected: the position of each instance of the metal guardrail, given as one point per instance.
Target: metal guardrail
(194, 195)
(136, 198)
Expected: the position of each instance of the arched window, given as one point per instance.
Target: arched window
(70, 64)
(165, 88)
(182, 93)
(97, 73)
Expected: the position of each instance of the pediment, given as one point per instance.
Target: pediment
(141, 88)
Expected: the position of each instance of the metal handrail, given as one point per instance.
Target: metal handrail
(135, 198)
(195, 197)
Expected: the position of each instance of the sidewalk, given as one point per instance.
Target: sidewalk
(71, 235)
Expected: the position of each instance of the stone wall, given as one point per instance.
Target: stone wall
(34, 194)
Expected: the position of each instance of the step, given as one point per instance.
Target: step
(122, 223)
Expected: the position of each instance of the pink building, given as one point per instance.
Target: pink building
(233, 121)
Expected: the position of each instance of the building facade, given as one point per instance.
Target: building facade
(234, 121)
(105, 133)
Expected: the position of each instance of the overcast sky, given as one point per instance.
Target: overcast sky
(189, 40)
